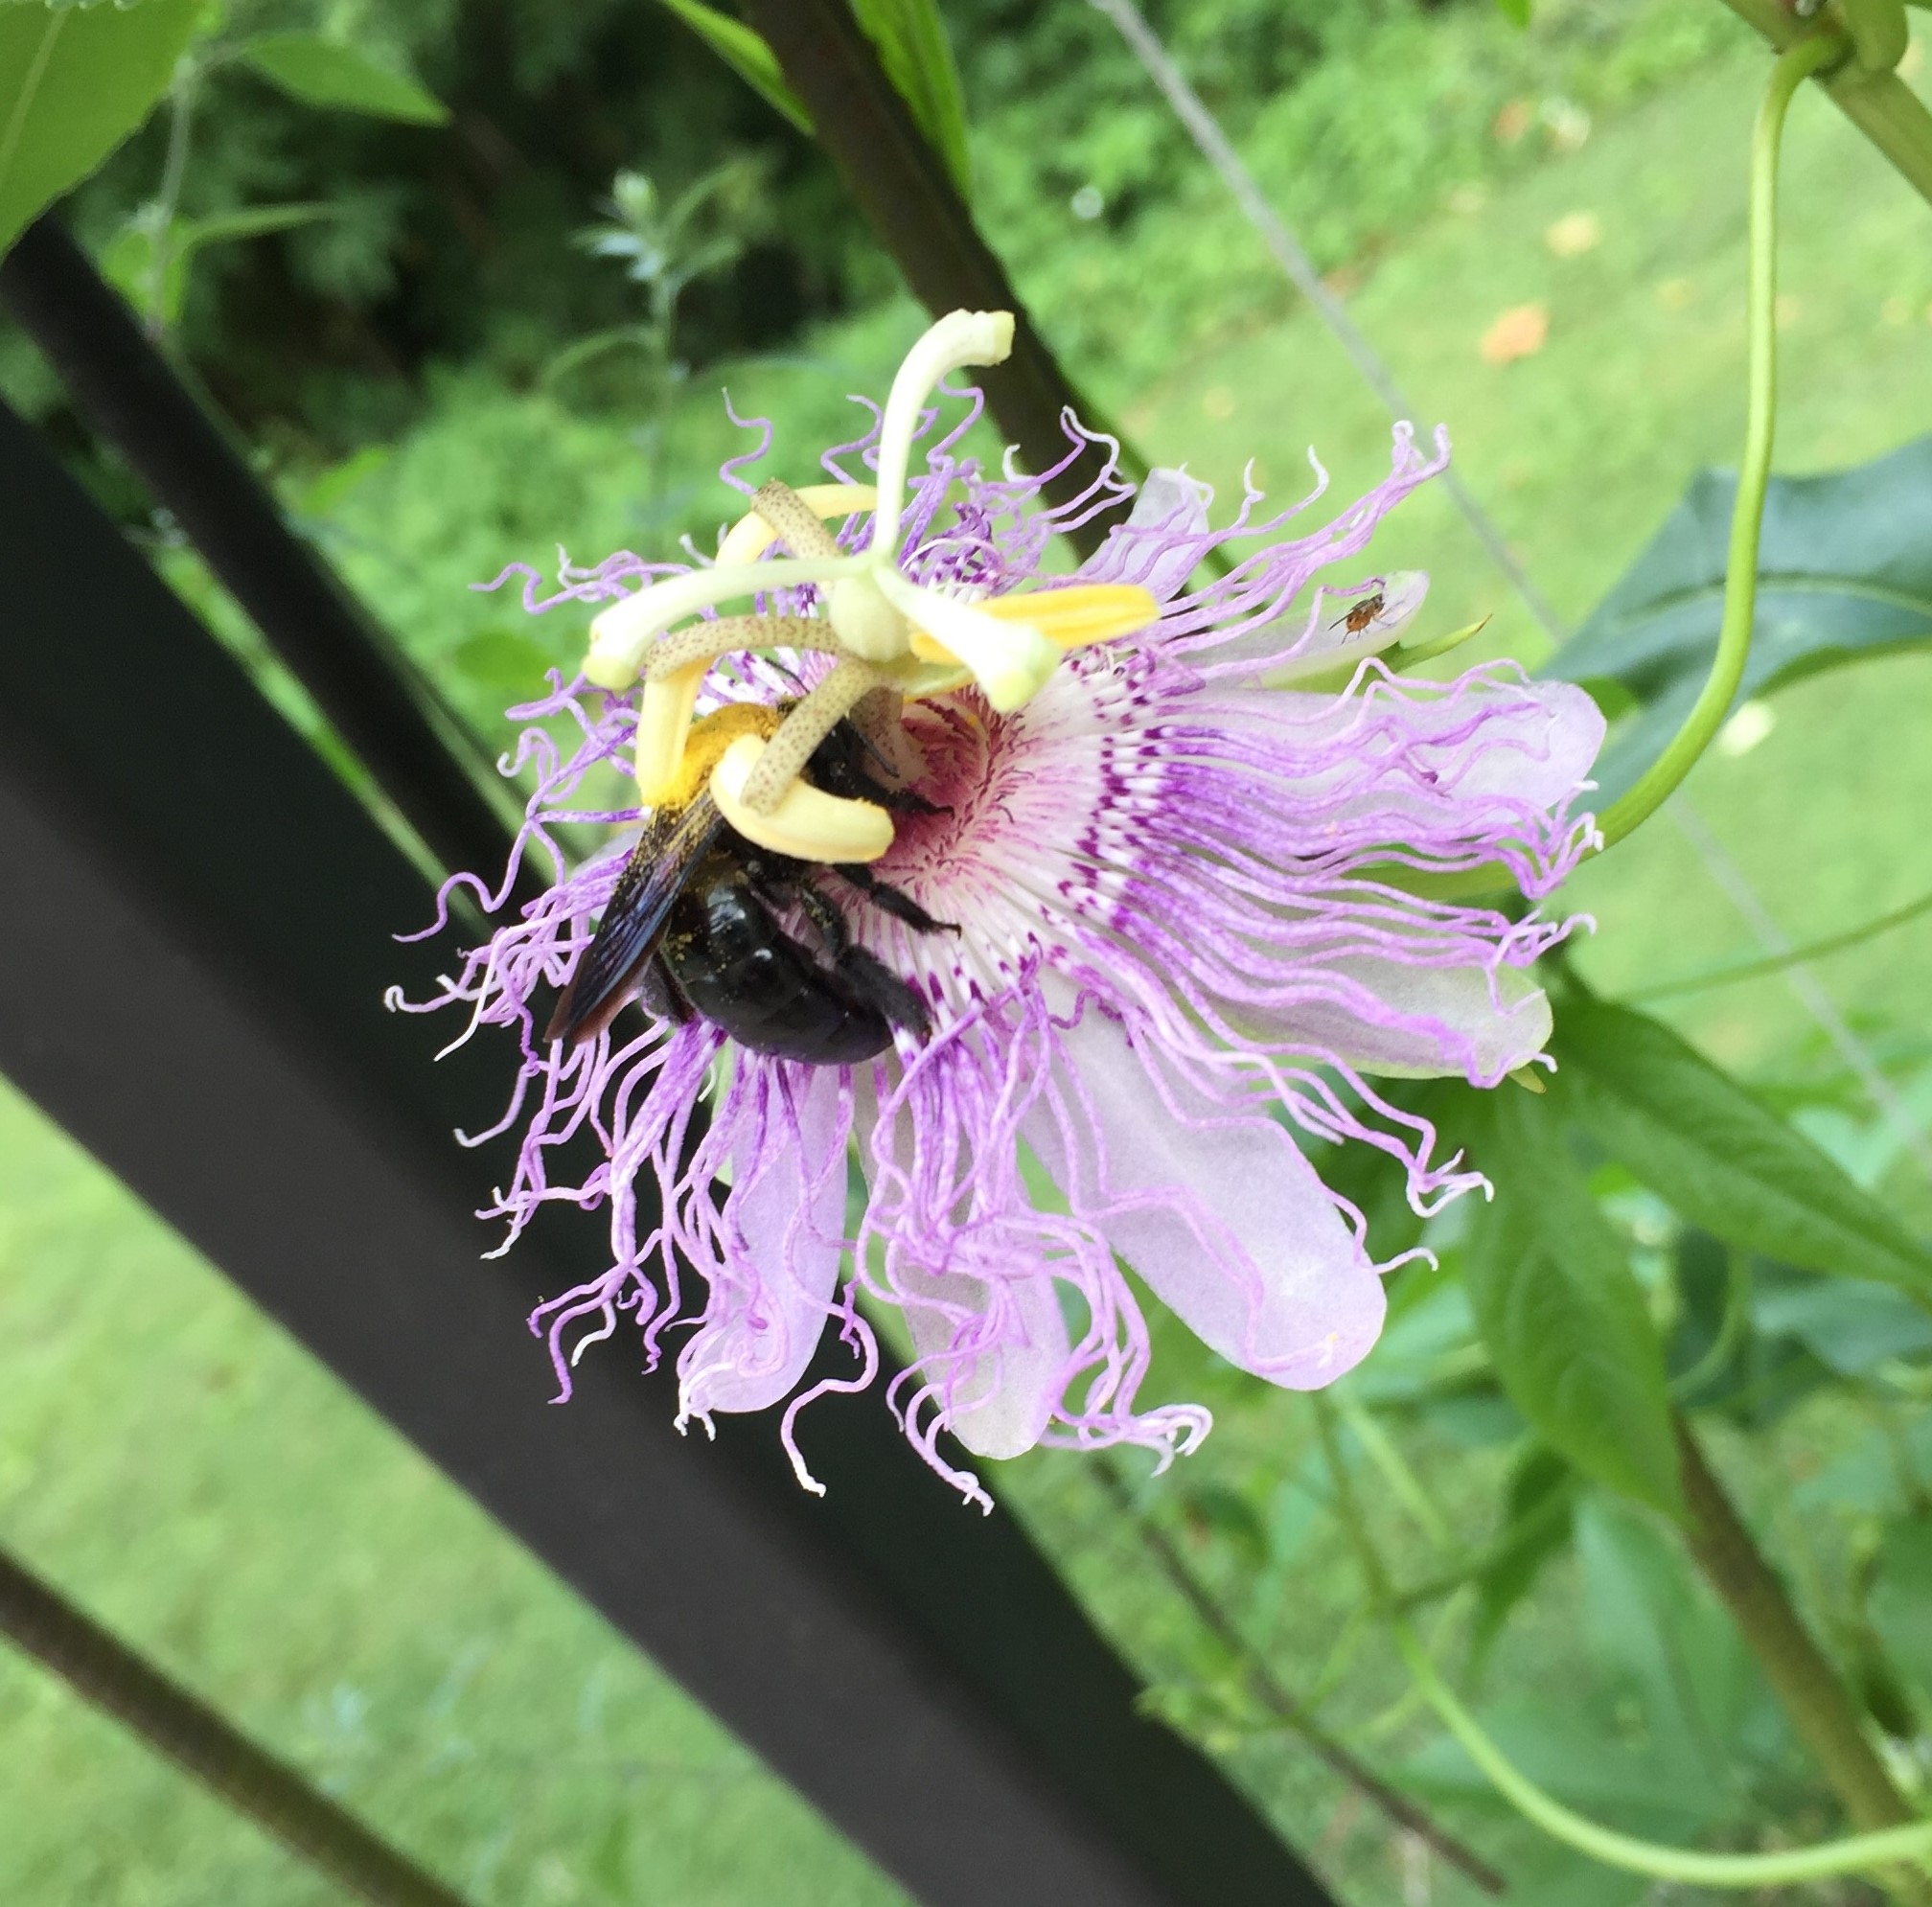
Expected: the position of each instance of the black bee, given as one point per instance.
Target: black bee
(693, 928)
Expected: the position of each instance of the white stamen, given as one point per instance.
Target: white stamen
(664, 712)
(960, 339)
(806, 823)
(869, 627)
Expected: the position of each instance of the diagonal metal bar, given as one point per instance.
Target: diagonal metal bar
(190, 983)
(413, 745)
(170, 1719)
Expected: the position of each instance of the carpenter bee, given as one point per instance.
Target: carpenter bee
(692, 926)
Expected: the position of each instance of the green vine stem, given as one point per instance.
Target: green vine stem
(1799, 1674)
(1660, 780)
(1797, 62)
(1807, 1686)
(1279, 1701)
(1882, 105)
(1801, 956)
(1854, 1854)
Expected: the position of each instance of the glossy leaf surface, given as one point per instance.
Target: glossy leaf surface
(746, 53)
(1845, 571)
(1717, 1156)
(322, 72)
(74, 83)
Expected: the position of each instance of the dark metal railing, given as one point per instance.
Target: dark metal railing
(198, 940)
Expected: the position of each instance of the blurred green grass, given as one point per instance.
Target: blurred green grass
(169, 1458)
(192, 1477)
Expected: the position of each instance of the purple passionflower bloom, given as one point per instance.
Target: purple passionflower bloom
(1185, 947)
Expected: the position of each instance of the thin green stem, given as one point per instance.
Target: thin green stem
(1795, 956)
(1857, 1854)
(168, 199)
(1807, 1684)
(1403, 1483)
(1730, 1327)
(1348, 1506)
(1800, 60)
(1280, 1700)
(1658, 782)
(1882, 105)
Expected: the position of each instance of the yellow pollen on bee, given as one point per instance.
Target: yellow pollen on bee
(681, 753)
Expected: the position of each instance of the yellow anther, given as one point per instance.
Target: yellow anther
(806, 823)
(751, 536)
(1070, 618)
(664, 712)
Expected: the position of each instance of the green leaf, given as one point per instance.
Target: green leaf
(1847, 1324)
(1560, 1311)
(746, 53)
(1719, 1157)
(1537, 1503)
(1515, 11)
(913, 50)
(323, 72)
(73, 86)
(1650, 1619)
(1900, 1605)
(1845, 571)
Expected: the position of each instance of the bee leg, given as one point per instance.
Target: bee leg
(884, 991)
(890, 900)
(822, 911)
(659, 992)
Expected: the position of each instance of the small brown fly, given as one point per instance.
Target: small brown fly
(1361, 615)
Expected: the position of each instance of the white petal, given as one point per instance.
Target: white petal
(1228, 1224)
(759, 1333)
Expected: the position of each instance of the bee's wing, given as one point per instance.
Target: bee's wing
(627, 936)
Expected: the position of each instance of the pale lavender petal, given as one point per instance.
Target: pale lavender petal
(759, 1335)
(1494, 748)
(1222, 1216)
(1420, 1023)
(1158, 545)
(997, 1400)
(1330, 648)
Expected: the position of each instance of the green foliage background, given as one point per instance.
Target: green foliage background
(166, 1455)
